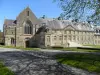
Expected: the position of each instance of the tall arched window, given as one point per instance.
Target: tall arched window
(28, 28)
(12, 41)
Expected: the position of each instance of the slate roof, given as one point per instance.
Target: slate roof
(9, 22)
(61, 24)
(57, 24)
(97, 27)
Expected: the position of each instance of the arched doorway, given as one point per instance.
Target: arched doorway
(27, 42)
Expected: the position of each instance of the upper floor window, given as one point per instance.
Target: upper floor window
(65, 37)
(69, 32)
(55, 37)
(65, 32)
(96, 31)
(27, 13)
(73, 32)
(60, 37)
(28, 28)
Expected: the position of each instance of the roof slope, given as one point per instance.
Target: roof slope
(61, 24)
(9, 22)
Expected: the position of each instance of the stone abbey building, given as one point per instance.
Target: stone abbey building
(29, 31)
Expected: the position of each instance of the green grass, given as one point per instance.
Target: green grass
(63, 49)
(20, 48)
(28, 48)
(4, 70)
(95, 46)
(88, 62)
(75, 49)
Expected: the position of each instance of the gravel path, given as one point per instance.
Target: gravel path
(36, 63)
(8, 49)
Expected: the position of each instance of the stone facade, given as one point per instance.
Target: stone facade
(29, 31)
(65, 37)
(97, 35)
(1, 38)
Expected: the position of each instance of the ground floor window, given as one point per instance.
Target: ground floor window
(12, 41)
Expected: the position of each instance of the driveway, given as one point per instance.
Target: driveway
(8, 49)
(36, 63)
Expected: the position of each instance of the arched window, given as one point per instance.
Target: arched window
(28, 28)
(12, 41)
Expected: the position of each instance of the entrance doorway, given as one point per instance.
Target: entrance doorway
(27, 43)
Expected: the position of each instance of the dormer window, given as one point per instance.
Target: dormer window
(96, 31)
(27, 13)
(43, 24)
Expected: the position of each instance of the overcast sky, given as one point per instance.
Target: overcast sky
(9, 9)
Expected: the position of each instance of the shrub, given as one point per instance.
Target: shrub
(4, 70)
(59, 47)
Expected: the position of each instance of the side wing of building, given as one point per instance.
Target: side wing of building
(9, 32)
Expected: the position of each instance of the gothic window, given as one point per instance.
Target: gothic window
(28, 28)
(12, 40)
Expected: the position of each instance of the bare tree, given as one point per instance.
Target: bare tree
(78, 9)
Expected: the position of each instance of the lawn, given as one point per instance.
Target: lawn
(76, 49)
(90, 62)
(4, 70)
(35, 49)
(95, 46)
